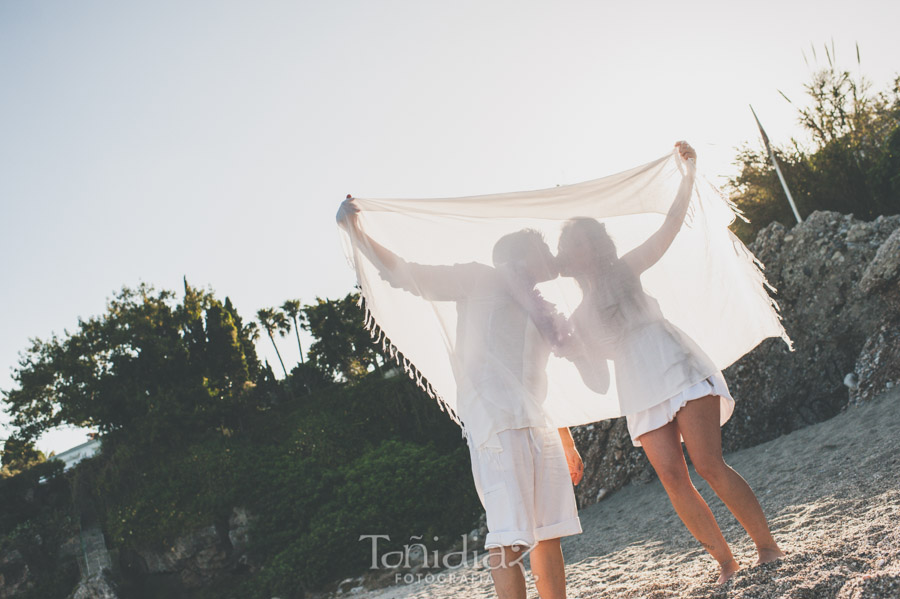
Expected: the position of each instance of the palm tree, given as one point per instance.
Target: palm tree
(274, 321)
(292, 309)
(251, 330)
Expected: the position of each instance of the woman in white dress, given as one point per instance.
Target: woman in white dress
(617, 321)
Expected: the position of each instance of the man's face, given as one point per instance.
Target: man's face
(541, 263)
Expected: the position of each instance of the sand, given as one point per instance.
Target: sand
(832, 495)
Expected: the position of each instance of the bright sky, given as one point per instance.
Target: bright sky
(149, 141)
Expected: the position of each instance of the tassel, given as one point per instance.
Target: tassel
(380, 336)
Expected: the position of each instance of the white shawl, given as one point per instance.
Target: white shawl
(655, 295)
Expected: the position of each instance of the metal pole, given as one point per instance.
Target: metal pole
(787, 191)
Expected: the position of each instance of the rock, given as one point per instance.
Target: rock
(350, 585)
(883, 272)
(857, 233)
(827, 313)
(878, 364)
(201, 556)
(602, 470)
(482, 526)
(98, 586)
(239, 534)
(15, 576)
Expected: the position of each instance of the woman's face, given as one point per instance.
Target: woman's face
(583, 249)
(571, 253)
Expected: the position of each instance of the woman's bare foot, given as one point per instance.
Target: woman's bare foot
(727, 570)
(769, 555)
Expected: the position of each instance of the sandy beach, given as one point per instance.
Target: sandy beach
(832, 495)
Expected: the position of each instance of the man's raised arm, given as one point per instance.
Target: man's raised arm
(433, 282)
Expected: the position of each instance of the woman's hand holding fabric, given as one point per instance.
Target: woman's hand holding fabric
(686, 151)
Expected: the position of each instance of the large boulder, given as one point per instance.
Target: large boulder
(15, 577)
(97, 586)
(194, 559)
(838, 290)
(878, 365)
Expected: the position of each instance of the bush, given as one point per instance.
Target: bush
(851, 165)
(36, 520)
(398, 489)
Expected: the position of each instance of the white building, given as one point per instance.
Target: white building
(80, 452)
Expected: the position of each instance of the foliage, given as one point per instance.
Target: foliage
(850, 164)
(192, 426)
(35, 522)
(18, 456)
(150, 497)
(343, 349)
(292, 310)
(149, 368)
(378, 455)
(274, 321)
(392, 489)
(375, 456)
(340, 422)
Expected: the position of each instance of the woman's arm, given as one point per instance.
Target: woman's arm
(648, 253)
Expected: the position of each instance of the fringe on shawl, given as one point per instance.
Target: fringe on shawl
(757, 268)
(387, 347)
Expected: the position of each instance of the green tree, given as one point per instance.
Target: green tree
(247, 339)
(292, 309)
(35, 522)
(343, 349)
(849, 164)
(18, 456)
(149, 367)
(274, 321)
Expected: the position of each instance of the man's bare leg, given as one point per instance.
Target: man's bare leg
(508, 571)
(548, 569)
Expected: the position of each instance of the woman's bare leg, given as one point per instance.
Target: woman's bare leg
(663, 449)
(548, 569)
(507, 571)
(698, 422)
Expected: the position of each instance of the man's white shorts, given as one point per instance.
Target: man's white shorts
(525, 488)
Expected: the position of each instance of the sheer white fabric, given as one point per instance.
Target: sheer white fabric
(562, 306)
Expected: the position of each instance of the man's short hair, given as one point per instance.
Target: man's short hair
(517, 246)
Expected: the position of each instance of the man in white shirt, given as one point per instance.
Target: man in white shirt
(523, 467)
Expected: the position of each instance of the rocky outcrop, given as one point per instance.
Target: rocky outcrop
(610, 460)
(196, 558)
(97, 586)
(838, 289)
(878, 366)
(15, 577)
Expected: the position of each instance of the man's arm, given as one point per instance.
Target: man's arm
(573, 458)
(432, 282)
(347, 219)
